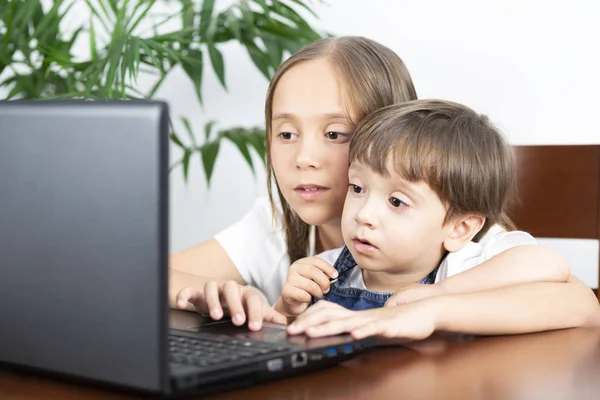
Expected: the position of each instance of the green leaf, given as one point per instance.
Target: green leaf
(307, 8)
(175, 139)
(193, 69)
(114, 5)
(149, 4)
(234, 25)
(285, 31)
(134, 60)
(114, 60)
(247, 14)
(258, 140)
(17, 89)
(49, 24)
(242, 144)
(208, 129)
(73, 39)
(188, 128)
(94, 11)
(186, 164)
(291, 14)
(149, 52)
(209, 153)
(158, 83)
(9, 24)
(165, 51)
(187, 13)
(205, 17)
(274, 49)
(260, 59)
(216, 59)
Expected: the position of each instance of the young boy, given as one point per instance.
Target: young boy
(428, 180)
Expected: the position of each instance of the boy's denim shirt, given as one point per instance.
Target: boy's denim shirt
(354, 298)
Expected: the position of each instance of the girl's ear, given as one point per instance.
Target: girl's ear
(462, 231)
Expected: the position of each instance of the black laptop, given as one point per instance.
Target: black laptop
(84, 260)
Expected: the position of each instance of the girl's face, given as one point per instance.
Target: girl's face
(311, 132)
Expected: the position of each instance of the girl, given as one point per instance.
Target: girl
(320, 92)
(314, 102)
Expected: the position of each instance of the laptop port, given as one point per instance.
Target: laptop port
(275, 364)
(299, 359)
(332, 352)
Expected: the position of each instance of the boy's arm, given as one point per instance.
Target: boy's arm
(521, 264)
(514, 309)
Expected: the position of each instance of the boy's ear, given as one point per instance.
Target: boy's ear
(462, 231)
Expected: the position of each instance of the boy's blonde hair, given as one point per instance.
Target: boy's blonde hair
(457, 152)
(373, 77)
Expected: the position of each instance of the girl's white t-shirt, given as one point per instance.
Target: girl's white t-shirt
(256, 246)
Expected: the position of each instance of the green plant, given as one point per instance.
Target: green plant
(129, 37)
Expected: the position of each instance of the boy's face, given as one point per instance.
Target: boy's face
(392, 225)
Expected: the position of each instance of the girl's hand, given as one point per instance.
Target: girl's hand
(306, 278)
(414, 321)
(232, 298)
(414, 292)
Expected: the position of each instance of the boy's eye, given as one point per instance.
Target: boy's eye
(333, 135)
(395, 202)
(355, 188)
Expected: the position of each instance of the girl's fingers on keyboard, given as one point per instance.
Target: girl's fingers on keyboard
(233, 299)
(271, 315)
(212, 299)
(254, 307)
(183, 297)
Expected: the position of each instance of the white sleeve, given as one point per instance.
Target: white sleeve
(331, 256)
(256, 246)
(474, 254)
(504, 241)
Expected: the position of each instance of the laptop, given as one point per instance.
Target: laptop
(84, 233)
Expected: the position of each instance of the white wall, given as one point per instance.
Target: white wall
(532, 66)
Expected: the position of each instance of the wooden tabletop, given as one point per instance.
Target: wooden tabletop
(553, 365)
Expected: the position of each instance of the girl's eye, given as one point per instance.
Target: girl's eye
(287, 135)
(338, 136)
(395, 202)
(355, 188)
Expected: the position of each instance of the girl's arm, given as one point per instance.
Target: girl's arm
(520, 308)
(515, 309)
(521, 264)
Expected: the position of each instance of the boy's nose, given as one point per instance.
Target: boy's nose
(365, 216)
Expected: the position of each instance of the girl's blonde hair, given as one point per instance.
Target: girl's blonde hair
(373, 77)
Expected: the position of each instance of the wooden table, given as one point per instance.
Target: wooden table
(553, 365)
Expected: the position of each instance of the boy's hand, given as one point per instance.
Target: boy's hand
(414, 292)
(414, 321)
(237, 300)
(306, 278)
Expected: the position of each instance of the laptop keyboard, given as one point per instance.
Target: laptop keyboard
(206, 350)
